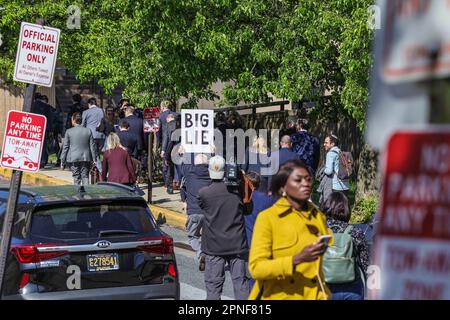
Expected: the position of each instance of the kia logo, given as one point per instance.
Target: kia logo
(103, 244)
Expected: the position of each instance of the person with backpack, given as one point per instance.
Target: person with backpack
(347, 259)
(338, 164)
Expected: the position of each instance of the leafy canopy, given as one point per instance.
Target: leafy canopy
(168, 49)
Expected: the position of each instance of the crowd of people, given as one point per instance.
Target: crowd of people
(263, 227)
(97, 144)
(273, 247)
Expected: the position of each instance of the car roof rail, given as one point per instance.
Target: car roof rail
(27, 192)
(116, 185)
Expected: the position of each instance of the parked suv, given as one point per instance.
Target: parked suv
(98, 243)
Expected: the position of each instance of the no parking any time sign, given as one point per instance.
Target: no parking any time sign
(22, 145)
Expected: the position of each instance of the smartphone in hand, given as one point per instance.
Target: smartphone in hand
(325, 239)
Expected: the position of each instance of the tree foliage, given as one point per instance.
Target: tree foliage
(169, 49)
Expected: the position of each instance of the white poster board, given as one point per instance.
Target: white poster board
(197, 130)
(36, 54)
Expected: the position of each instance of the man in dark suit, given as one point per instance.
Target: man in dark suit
(163, 120)
(136, 128)
(127, 139)
(79, 150)
(41, 107)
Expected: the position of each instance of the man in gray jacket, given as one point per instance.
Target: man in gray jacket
(92, 119)
(79, 150)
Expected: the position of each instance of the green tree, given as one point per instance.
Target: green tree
(158, 48)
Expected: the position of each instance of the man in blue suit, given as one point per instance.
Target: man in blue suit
(136, 128)
(92, 118)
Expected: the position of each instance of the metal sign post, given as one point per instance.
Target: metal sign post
(13, 197)
(150, 167)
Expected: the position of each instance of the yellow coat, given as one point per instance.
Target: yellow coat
(281, 232)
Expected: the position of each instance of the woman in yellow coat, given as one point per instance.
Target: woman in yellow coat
(286, 254)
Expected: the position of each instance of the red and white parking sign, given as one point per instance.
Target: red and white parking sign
(36, 54)
(413, 237)
(23, 139)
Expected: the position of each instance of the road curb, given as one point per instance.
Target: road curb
(35, 179)
(171, 217)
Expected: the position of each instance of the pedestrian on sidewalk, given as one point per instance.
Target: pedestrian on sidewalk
(260, 202)
(127, 139)
(43, 108)
(284, 154)
(338, 215)
(286, 254)
(196, 176)
(331, 145)
(223, 239)
(117, 164)
(306, 145)
(257, 160)
(79, 150)
(92, 119)
(136, 128)
(167, 145)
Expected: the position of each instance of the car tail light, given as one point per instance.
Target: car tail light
(171, 270)
(30, 253)
(165, 246)
(24, 280)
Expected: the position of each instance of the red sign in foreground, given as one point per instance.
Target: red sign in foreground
(413, 238)
(23, 140)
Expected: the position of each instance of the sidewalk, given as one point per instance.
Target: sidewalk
(165, 205)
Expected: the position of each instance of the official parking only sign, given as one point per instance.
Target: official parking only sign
(197, 130)
(412, 246)
(36, 54)
(23, 140)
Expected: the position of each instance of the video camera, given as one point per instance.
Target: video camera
(233, 175)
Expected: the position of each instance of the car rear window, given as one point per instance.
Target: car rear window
(94, 221)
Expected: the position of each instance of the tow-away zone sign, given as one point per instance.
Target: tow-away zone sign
(23, 140)
(412, 246)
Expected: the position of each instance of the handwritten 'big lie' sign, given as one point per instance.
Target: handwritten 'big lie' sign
(36, 54)
(23, 140)
(413, 237)
(197, 130)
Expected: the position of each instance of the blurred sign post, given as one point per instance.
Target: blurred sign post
(409, 84)
(410, 95)
(413, 238)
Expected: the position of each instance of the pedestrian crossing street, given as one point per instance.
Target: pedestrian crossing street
(192, 285)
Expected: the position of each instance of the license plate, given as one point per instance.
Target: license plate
(103, 262)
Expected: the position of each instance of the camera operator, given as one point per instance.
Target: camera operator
(224, 237)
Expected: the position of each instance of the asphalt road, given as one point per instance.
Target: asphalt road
(191, 279)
